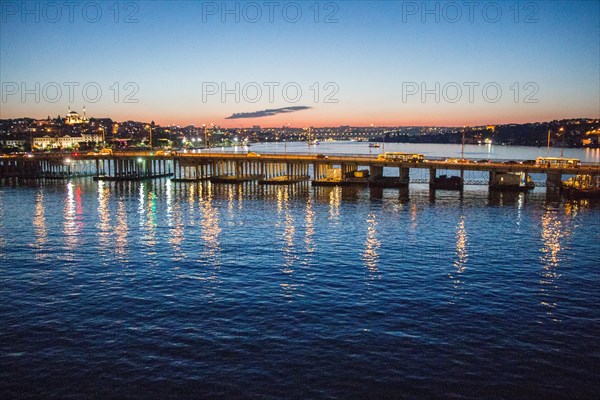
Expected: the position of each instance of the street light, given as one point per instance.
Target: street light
(462, 149)
(562, 134)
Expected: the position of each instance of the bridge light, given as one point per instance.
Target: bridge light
(140, 160)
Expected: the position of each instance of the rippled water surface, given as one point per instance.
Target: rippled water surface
(159, 290)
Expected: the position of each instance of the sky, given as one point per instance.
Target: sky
(296, 63)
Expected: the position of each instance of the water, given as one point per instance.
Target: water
(475, 152)
(163, 290)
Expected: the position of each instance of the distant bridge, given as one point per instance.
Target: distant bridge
(269, 168)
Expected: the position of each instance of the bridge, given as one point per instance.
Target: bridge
(274, 169)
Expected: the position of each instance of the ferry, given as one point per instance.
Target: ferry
(557, 162)
(402, 157)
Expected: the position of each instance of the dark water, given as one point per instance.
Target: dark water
(161, 290)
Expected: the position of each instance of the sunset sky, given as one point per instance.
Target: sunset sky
(368, 62)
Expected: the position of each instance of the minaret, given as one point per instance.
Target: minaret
(83, 112)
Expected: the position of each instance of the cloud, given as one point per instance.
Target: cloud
(267, 113)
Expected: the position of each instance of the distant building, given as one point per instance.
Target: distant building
(73, 118)
(592, 138)
(12, 142)
(65, 141)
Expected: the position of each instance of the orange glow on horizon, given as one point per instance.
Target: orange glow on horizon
(322, 119)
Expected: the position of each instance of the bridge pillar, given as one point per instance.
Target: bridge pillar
(553, 181)
(375, 172)
(492, 178)
(404, 175)
(348, 170)
(432, 175)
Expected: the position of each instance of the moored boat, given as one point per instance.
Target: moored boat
(445, 182)
(582, 186)
(511, 182)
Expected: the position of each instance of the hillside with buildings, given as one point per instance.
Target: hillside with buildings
(79, 132)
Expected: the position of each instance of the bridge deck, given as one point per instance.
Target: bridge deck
(331, 159)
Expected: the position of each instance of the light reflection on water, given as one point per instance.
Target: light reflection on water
(104, 220)
(121, 231)
(335, 199)
(299, 271)
(461, 253)
(592, 155)
(1, 224)
(148, 215)
(553, 234)
(289, 231)
(210, 230)
(70, 231)
(39, 222)
(309, 221)
(372, 244)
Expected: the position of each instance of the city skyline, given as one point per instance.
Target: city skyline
(386, 64)
(70, 110)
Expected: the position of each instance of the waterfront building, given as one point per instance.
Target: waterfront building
(47, 141)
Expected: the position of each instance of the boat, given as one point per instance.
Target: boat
(512, 182)
(582, 186)
(445, 182)
(374, 145)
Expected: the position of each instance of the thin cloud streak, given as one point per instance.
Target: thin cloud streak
(268, 112)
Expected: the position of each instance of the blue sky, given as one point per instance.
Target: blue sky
(369, 56)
